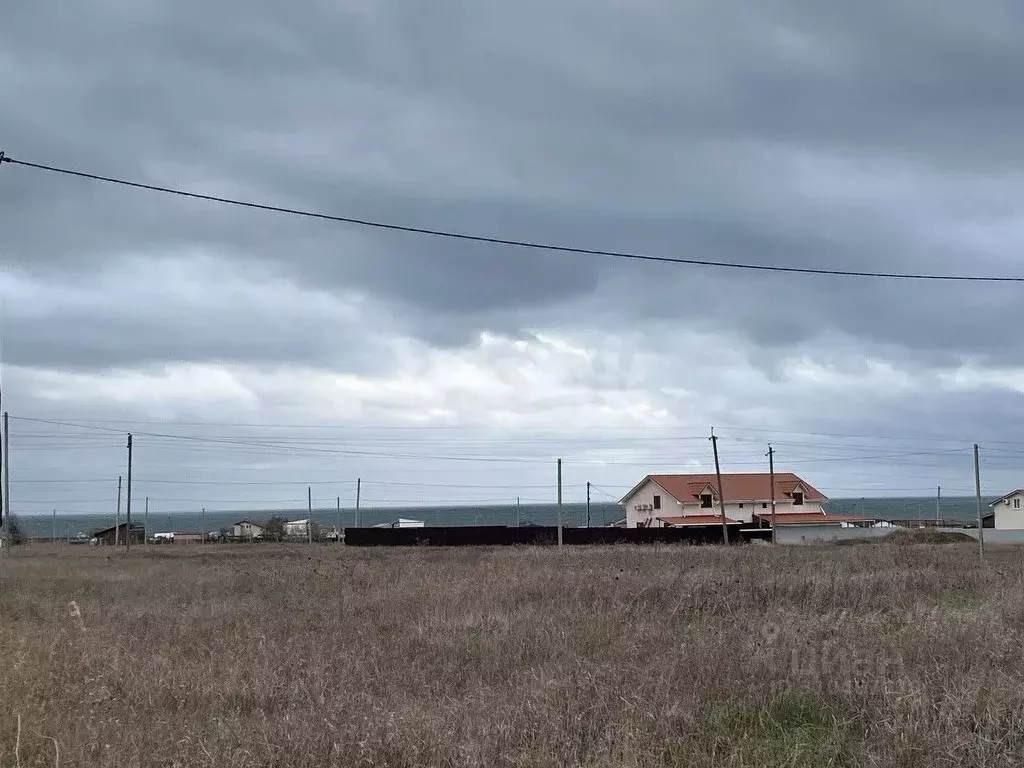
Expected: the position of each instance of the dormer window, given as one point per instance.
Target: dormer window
(798, 499)
(706, 501)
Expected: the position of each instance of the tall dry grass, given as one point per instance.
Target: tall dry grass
(894, 655)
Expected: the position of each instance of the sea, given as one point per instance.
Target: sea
(70, 526)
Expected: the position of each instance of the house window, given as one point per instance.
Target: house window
(657, 502)
(741, 505)
(764, 505)
(798, 499)
(705, 501)
(1016, 503)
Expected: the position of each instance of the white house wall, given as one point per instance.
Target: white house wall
(1009, 517)
(669, 508)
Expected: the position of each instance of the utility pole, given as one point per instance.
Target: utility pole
(721, 498)
(202, 526)
(517, 512)
(145, 524)
(588, 503)
(309, 514)
(128, 509)
(938, 502)
(977, 498)
(359, 488)
(559, 503)
(117, 517)
(771, 481)
(7, 477)
(53, 535)
(3, 475)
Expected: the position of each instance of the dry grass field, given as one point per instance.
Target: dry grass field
(875, 654)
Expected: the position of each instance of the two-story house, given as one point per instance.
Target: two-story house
(661, 500)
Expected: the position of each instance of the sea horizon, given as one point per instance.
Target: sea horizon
(77, 525)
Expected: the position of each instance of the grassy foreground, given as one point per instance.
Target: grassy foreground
(880, 654)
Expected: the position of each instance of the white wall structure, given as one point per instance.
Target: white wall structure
(1009, 511)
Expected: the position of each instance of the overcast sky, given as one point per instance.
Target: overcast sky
(858, 136)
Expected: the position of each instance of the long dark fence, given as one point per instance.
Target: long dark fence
(497, 536)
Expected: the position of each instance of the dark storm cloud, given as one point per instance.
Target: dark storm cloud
(724, 132)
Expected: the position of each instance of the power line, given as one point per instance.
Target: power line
(512, 242)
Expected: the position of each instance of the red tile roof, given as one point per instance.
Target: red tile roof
(697, 520)
(749, 486)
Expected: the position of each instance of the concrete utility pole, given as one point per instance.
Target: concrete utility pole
(145, 524)
(359, 488)
(517, 512)
(202, 526)
(771, 481)
(977, 498)
(339, 519)
(309, 514)
(559, 503)
(721, 498)
(7, 478)
(117, 517)
(128, 501)
(938, 502)
(3, 474)
(53, 534)
(588, 503)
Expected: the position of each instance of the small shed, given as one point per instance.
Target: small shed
(119, 534)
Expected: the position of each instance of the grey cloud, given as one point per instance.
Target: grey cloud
(669, 130)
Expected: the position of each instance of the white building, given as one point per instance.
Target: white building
(404, 522)
(1007, 513)
(297, 527)
(247, 529)
(670, 500)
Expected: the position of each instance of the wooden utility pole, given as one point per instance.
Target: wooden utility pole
(938, 504)
(53, 534)
(339, 519)
(145, 524)
(128, 500)
(359, 488)
(309, 514)
(117, 516)
(771, 482)
(559, 503)
(588, 504)
(202, 526)
(721, 498)
(518, 518)
(977, 498)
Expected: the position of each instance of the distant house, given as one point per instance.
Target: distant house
(1007, 512)
(679, 500)
(188, 537)
(404, 522)
(119, 534)
(297, 527)
(247, 529)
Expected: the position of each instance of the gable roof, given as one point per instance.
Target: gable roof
(736, 486)
(1010, 495)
